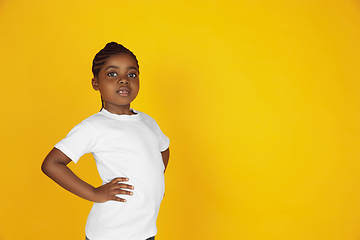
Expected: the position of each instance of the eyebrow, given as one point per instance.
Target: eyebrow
(118, 67)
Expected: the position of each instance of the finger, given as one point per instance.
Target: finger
(126, 186)
(124, 192)
(120, 179)
(119, 199)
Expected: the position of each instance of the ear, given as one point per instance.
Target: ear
(94, 83)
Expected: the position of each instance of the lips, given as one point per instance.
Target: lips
(124, 91)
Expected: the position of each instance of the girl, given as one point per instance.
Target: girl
(130, 151)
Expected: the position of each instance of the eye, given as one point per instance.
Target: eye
(132, 75)
(112, 74)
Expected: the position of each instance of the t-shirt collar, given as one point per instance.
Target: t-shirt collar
(122, 116)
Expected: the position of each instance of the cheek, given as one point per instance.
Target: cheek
(136, 84)
(136, 88)
(106, 88)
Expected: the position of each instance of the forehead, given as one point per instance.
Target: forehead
(121, 60)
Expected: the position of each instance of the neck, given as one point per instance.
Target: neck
(123, 110)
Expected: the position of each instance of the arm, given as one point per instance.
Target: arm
(165, 157)
(55, 167)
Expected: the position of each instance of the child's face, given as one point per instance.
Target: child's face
(118, 83)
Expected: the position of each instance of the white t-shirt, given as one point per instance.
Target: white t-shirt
(123, 146)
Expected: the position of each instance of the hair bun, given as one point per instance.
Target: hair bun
(111, 44)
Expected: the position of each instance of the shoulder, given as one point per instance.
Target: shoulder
(94, 120)
(87, 126)
(142, 114)
(146, 118)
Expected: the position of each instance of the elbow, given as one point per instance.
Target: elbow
(45, 167)
(48, 166)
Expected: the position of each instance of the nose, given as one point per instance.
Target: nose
(124, 80)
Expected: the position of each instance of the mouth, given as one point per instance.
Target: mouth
(124, 92)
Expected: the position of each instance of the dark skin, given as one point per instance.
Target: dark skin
(118, 83)
(55, 167)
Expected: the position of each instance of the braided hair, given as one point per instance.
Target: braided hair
(111, 48)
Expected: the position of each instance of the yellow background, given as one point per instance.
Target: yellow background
(261, 101)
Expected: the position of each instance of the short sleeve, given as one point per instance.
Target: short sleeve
(164, 141)
(80, 140)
